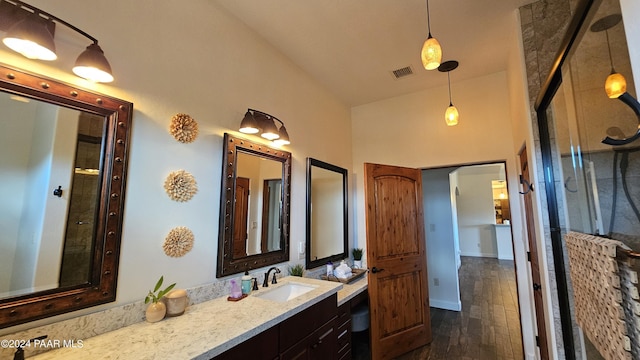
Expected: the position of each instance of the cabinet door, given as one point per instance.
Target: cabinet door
(301, 325)
(320, 345)
(263, 346)
(323, 343)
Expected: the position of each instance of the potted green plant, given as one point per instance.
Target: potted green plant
(157, 309)
(357, 257)
(296, 270)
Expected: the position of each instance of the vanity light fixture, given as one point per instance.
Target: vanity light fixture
(431, 53)
(31, 36)
(255, 122)
(616, 84)
(451, 115)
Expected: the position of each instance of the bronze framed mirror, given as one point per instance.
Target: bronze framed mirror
(63, 166)
(254, 206)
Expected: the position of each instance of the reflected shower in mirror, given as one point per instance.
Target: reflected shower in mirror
(63, 161)
(48, 239)
(327, 206)
(254, 213)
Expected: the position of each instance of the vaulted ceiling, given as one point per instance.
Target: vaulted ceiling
(352, 46)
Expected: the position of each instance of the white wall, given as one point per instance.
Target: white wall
(476, 214)
(326, 208)
(15, 138)
(199, 60)
(444, 286)
(630, 13)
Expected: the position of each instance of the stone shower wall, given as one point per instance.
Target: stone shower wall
(544, 24)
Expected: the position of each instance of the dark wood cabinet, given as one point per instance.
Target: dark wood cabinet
(320, 345)
(262, 346)
(343, 326)
(310, 334)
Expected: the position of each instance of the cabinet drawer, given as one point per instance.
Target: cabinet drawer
(306, 322)
(345, 356)
(320, 345)
(344, 313)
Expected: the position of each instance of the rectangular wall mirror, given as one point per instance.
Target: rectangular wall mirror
(63, 156)
(254, 210)
(327, 208)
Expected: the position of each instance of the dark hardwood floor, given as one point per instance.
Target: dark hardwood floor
(488, 327)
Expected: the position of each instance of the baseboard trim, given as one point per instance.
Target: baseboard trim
(480, 254)
(446, 305)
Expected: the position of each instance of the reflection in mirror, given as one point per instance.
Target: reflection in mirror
(62, 170)
(258, 194)
(48, 240)
(327, 232)
(254, 213)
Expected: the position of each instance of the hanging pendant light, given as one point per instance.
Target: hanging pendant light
(451, 115)
(431, 53)
(615, 84)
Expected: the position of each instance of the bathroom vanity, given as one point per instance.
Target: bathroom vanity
(257, 327)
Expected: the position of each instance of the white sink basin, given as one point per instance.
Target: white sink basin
(286, 292)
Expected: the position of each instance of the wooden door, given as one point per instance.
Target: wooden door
(525, 179)
(397, 260)
(240, 218)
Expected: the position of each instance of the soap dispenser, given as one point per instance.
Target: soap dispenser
(236, 293)
(246, 283)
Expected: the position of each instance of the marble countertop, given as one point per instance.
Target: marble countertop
(349, 291)
(205, 330)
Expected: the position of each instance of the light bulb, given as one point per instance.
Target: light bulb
(615, 85)
(431, 53)
(451, 116)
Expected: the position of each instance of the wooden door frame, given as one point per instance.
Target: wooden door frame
(542, 342)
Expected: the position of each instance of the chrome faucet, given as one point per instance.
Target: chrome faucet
(265, 283)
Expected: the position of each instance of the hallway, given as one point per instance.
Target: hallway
(488, 327)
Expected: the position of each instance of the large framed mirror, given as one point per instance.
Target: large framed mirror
(254, 206)
(327, 208)
(63, 162)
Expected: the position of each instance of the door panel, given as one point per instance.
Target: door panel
(241, 216)
(533, 251)
(396, 255)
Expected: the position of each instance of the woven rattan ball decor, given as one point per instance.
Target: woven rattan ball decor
(180, 186)
(183, 128)
(178, 242)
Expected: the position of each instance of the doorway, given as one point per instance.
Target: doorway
(465, 216)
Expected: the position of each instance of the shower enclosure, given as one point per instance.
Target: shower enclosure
(592, 187)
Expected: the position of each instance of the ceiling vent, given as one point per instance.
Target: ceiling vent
(402, 72)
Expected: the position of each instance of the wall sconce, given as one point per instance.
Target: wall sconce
(451, 115)
(30, 33)
(255, 122)
(431, 53)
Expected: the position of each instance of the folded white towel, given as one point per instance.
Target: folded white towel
(342, 272)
